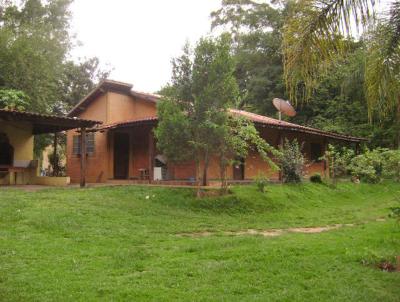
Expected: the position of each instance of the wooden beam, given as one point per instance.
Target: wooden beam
(357, 148)
(280, 145)
(55, 156)
(324, 149)
(151, 156)
(83, 157)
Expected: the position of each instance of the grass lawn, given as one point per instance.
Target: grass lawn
(125, 243)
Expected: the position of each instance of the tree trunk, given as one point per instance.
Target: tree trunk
(198, 179)
(398, 122)
(222, 171)
(205, 168)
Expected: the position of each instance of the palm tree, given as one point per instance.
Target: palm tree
(313, 39)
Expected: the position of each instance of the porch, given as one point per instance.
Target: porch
(17, 130)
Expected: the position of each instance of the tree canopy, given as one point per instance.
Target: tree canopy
(35, 43)
(194, 121)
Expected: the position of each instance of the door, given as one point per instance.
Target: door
(6, 151)
(238, 169)
(121, 155)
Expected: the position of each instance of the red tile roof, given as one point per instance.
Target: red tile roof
(274, 123)
(45, 123)
(151, 120)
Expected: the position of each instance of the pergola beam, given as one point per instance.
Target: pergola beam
(83, 157)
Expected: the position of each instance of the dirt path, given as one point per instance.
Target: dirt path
(276, 232)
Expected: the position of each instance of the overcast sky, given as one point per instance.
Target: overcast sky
(138, 38)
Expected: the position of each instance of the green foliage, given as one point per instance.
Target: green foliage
(395, 213)
(338, 97)
(238, 138)
(316, 178)
(195, 107)
(261, 181)
(313, 43)
(194, 113)
(35, 45)
(78, 79)
(312, 40)
(173, 131)
(13, 99)
(256, 31)
(368, 166)
(391, 164)
(338, 160)
(292, 162)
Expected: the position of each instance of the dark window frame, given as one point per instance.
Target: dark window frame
(90, 144)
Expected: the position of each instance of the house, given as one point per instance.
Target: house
(17, 130)
(123, 147)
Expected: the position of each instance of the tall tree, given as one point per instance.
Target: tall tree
(203, 88)
(194, 120)
(35, 43)
(256, 30)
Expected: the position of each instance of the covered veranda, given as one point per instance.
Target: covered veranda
(17, 130)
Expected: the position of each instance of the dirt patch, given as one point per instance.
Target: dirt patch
(195, 234)
(268, 232)
(277, 232)
(265, 233)
(314, 230)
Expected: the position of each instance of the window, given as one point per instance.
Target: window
(316, 152)
(76, 144)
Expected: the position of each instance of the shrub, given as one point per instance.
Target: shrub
(338, 160)
(292, 162)
(316, 178)
(261, 181)
(368, 166)
(395, 213)
(391, 164)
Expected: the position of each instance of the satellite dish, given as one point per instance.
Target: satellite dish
(283, 107)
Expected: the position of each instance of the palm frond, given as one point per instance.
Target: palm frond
(312, 38)
(382, 71)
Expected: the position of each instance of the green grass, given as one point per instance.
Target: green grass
(115, 244)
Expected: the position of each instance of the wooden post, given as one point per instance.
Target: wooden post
(357, 148)
(325, 148)
(55, 157)
(151, 156)
(280, 142)
(83, 157)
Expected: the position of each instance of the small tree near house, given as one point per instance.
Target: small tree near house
(194, 120)
(240, 136)
(292, 162)
(195, 111)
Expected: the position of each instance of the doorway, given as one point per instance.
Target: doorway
(6, 151)
(238, 169)
(121, 155)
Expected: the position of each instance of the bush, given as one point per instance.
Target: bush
(368, 166)
(292, 162)
(338, 160)
(316, 178)
(261, 181)
(391, 164)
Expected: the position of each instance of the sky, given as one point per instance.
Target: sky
(138, 38)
